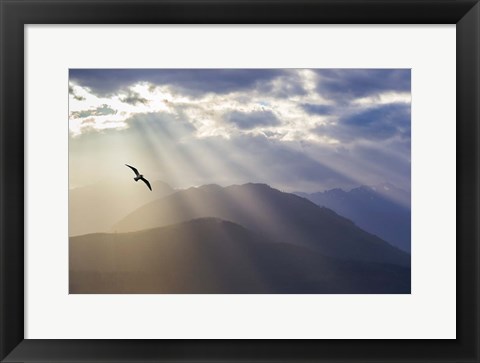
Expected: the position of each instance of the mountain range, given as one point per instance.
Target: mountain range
(281, 217)
(213, 256)
(247, 238)
(383, 210)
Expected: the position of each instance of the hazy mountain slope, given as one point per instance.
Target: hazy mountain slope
(279, 216)
(378, 210)
(215, 256)
(95, 208)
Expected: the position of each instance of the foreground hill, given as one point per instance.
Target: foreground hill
(215, 256)
(278, 216)
(383, 210)
(94, 208)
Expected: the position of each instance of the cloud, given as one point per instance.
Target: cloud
(317, 109)
(377, 123)
(250, 120)
(104, 82)
(75, 96)
(88, 121)
(132, 98)
(287, 84)
(344, 84)
(99, 111)
(288, 98)
(294, 129)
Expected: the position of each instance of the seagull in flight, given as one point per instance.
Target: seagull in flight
(139, 176)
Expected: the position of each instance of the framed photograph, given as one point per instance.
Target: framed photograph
(240, 181)
(230, 171)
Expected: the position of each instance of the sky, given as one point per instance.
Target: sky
(295, 129)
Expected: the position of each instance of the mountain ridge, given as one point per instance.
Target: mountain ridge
(211, 255)
(276, 215)
(376, 209)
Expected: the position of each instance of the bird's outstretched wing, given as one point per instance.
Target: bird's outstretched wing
(147, 182)
(134, 170)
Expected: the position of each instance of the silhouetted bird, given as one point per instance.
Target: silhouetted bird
(139, 176)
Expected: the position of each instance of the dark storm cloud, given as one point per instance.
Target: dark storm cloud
(287, 84)
(75, 96)
(344, 84)
(189, 81)
(250, 120)
(315, 109)
(377, 123)
(99, 111)
(133, 98)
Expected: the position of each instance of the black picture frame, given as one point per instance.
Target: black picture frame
(15, 14)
